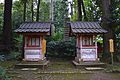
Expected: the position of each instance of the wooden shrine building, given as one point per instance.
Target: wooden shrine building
(86, 44)
(34, 41)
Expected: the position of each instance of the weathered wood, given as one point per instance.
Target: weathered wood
(85, 51)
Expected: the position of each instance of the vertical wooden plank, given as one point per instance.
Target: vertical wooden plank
(43, 46)
(96, 47)
(41, 38)
(23, 47)
(77, 46)
(41, 41)
(80, 44)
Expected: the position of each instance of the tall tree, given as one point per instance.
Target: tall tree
(83, 6)
(24, 19)
(79, 10)
(1, 19)
(38, 7)
(74, 16)
(24, 2)
(106, 23)
(32, 15)
(7, 25)
(44, 11)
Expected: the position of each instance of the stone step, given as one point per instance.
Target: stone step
(89, 64)
(29, 69)
(94, 68)
(32, 65)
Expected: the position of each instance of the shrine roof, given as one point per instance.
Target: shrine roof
(86, 27)
(34, 27)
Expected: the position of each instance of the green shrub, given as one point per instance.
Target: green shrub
(9, 56)
(106, 57)
(3, 75)
(14, 55)
(118, 57)
(61, 48)
(58, 36)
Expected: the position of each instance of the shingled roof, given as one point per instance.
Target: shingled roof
(86, 27)
(35, 27)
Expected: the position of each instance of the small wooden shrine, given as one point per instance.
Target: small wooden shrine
(86, 44)
(34, 41)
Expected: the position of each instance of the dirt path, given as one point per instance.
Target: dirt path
(105, 76)
(34, 75)
(62, 70)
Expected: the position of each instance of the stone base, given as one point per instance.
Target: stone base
(41, 63)
(88, 64)
(79, 60)
(35, 59)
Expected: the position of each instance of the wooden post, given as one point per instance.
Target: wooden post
(111, 45)
(23, 45)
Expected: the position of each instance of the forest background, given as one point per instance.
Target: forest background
(13, 13)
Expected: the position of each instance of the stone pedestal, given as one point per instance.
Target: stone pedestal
(36, 59)
(78, 60)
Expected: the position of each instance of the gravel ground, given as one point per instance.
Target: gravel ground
(61, 70)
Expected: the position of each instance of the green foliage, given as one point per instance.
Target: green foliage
(93, 9)
(44, 11)
(106, 57)
(115, 20)
(61, 48)
(118, 57)
(1, 18)
(7, 64)
(55, 46)
(3, 75)
(2, 72)
(17, 14)
(74, 16)
(18, 41)
(59, 15)
(14, 55)
(4, 56)
(115, 11)
(58, 36)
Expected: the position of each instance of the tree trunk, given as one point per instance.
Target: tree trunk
(24, 13)
(107, 25)
(32, 10)
(75, 7)
(24, 19)
(38, 7)
(7, 26)
(79, 11)
(85, 16)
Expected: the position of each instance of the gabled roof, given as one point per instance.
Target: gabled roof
(86, 27)
(35, 27)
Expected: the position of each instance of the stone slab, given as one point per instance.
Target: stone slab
(32, 65)
(89, 64)
(94, 68)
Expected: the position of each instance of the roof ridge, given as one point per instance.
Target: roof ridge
(37, 22)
